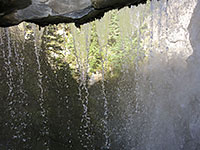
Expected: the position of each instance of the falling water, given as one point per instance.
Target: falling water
(9, 74)
(155, 95)
(76, 46)
(86, 30)
(66, 97)
(165, 74)
(166, 24)
(137, 78)
(8, 63)
(81, 40)
(41, 100)
(160, 24)
(151, 26)
(11, 94)
(102, 27)
(20, 94)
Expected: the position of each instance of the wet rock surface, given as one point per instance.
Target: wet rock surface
(44, 12)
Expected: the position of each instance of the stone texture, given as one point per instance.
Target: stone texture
(7, 6)
(44, 12)
(99, 4)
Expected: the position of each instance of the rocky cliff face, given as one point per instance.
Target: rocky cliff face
(44, 12)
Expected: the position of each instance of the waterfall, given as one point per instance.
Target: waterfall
(103, 32)
(167, 74)
(41, 100)
(129, 81)
(81, 41)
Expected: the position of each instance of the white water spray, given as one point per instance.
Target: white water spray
(41, 100)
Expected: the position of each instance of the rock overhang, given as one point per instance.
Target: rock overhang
(44, 12)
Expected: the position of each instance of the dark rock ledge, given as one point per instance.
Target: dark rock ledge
(44, 12)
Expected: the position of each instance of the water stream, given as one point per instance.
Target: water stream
(103, 32)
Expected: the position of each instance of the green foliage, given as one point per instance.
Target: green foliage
(113, 41)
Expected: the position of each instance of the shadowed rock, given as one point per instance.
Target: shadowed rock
(44, 12)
